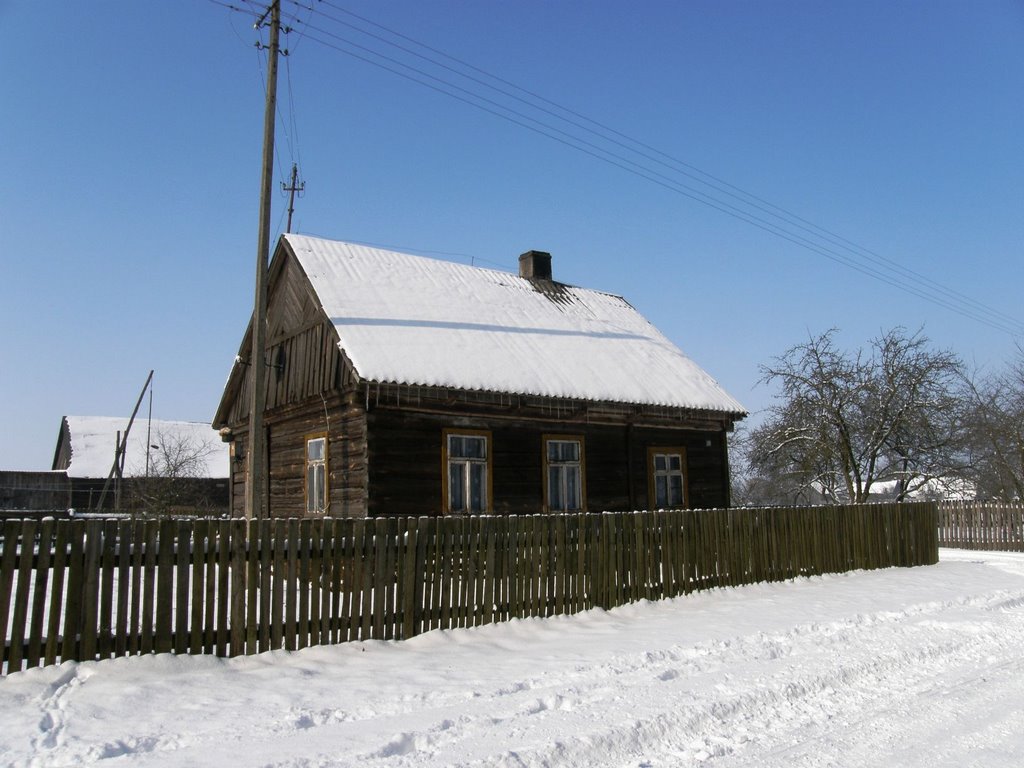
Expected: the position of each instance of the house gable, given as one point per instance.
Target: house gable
(303, 355)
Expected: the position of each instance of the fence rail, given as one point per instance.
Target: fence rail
(98, 589)
(982, 525)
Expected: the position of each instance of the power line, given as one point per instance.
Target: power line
(745, 206)
(294, 132)
(408, 249)
(289, 126)
(950, 297)
(235, 8)
(262, 50)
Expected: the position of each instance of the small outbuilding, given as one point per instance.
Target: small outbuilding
(32, 494)
(403, 385)
(171, 466)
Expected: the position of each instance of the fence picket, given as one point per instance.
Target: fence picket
(236, 563)
(12, 541)
(22, 594)
(303, 582)
(57, 602)
(183, 557)
(381, 578)
(291, 587)
(199, 546)
(90, 590)
(365, 555)
(253, 586)
(349, 622)
(125, 533)
(165, 587)
(406, 601)
(42, 575)
(104, 643)
(278, 573)
(337, 572)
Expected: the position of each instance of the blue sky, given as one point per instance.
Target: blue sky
(130, 139)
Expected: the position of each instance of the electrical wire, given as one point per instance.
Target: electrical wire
(666, 170)
(294, 132)
(408, 249)
(261, 53)
(950, 297)
(235, 8)
(726, 208)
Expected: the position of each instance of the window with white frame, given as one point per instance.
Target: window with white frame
(667, 477)
(316, 474)
(467, 470)
(563, 474)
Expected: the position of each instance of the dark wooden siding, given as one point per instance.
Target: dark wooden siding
(404, 461)
(300, 367)
(303, 357)
(707, 472)
(46, 491)
(344, 423)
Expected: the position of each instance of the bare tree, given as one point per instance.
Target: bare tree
(175, 478)
(849, 424)
(997, 432)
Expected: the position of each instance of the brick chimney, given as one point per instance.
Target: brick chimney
(535, 265)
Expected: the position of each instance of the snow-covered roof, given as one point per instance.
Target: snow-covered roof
(418, 321)
(946, 488)
(93, 439)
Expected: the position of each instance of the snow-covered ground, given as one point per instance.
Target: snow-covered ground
(903, 667)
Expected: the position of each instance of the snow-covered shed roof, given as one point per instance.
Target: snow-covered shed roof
(419, 321)
(92, 440)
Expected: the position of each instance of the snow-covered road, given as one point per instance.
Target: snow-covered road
(904, 667)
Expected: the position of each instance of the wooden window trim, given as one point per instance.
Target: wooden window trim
(545, 439)
(327, 472)
(485, 433)
(654, 450)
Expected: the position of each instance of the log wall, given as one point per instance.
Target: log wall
(404, 452)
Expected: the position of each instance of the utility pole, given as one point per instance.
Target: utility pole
(256, 488)
(291, 196)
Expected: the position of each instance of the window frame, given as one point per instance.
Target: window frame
(652, 473)
(327, 476)
(446, 435)
(547, 464)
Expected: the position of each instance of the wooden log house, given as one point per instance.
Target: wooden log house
(402, 385)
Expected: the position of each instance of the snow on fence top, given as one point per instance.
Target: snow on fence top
(418, 321)
(93, 438)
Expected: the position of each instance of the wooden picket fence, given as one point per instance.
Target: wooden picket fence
(995, 526)
(97, 589)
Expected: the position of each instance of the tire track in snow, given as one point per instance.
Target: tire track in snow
(715, 702)
(800, 694)
(544, 710)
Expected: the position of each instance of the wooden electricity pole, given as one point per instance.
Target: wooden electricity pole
(256, 487)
